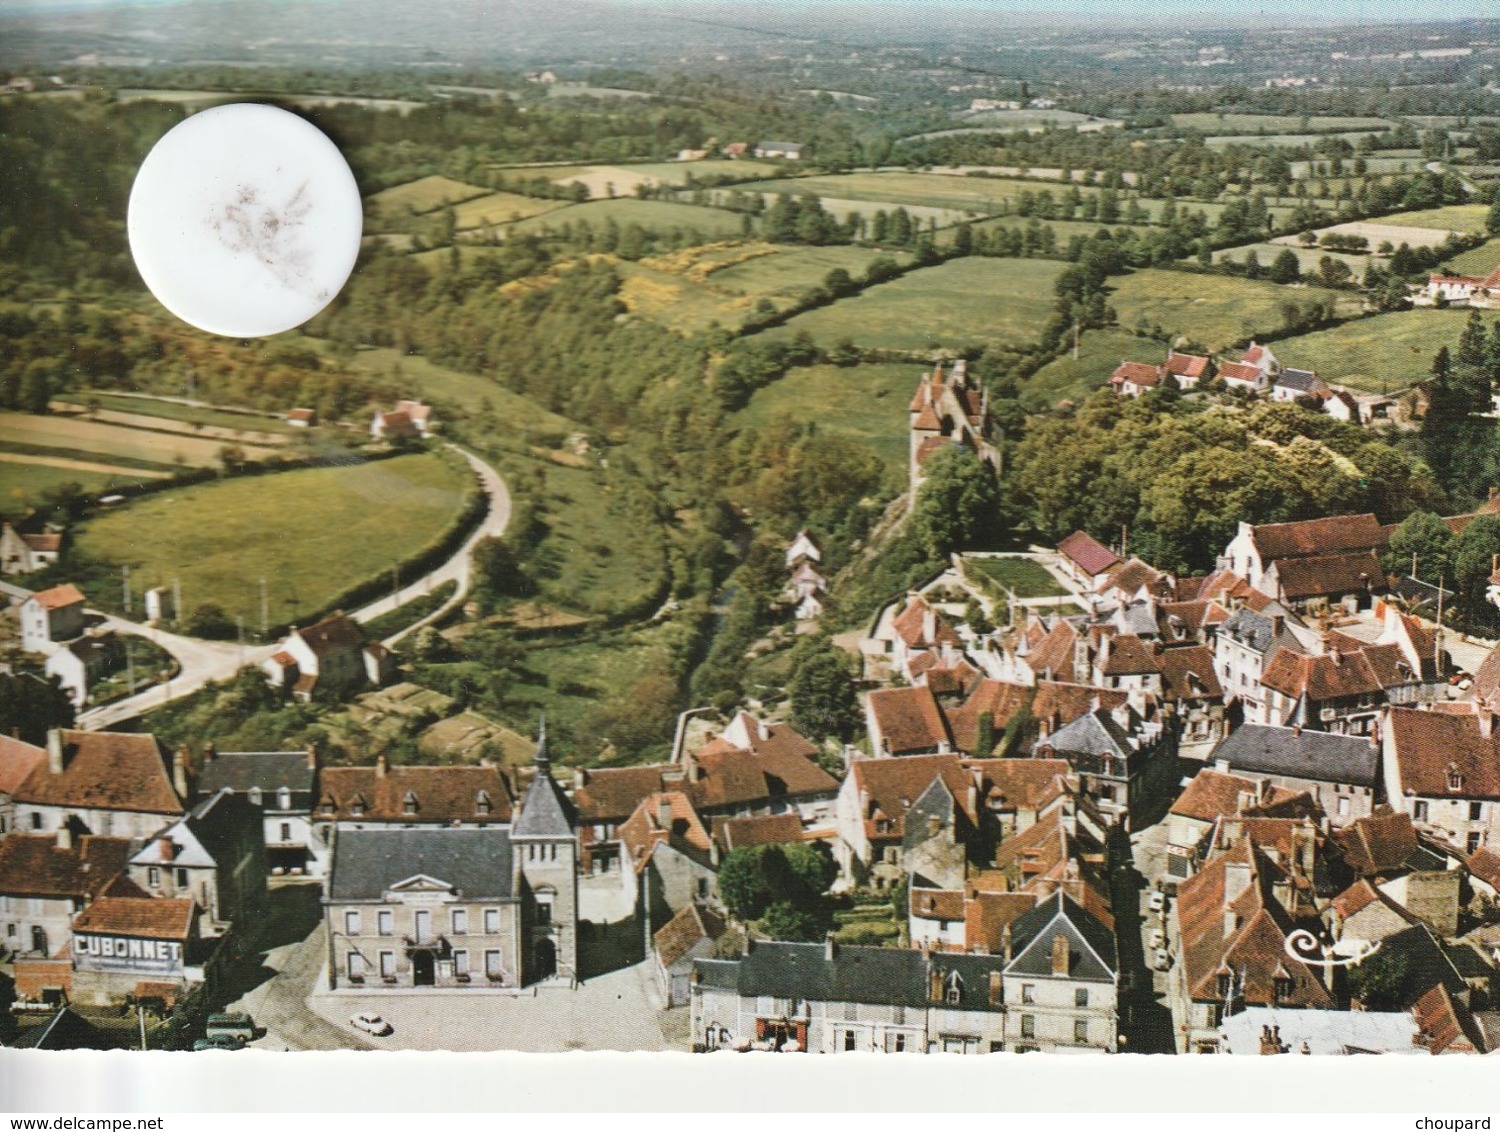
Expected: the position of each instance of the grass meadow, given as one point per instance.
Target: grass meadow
(865, 402)
(661, 214)
(312, 533)
(962, 303)
(1099, 352)
(1382, 353)
(419, 196)
(84, 439)
(1215, 310)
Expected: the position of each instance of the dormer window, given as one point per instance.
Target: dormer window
(357, 807)
(284, 798)
(1221, 984)
(409, 804)
(255, 795)
(482, 803)
(1283, 986)
(1455, 777)
(955, 989)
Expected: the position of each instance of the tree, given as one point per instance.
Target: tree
(784, 883)
(31, 706)
(210, 620)
(958, 504)
(1425, 537)
(1379, 981)
(821, 690)
(1474, 554)
(1285, 268)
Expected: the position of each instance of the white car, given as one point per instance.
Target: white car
(371, 1024)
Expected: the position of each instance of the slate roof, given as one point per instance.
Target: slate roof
(546, 810)
(104, 770)
(31, 864)
(1095, 733)
(1259, 748)
(876, 975)
(1304, 381)
(367, 862)
(1090, 555)
(1091, 945)
(266, 770)
(1430, 745)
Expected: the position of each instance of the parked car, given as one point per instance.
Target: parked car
(1157, 901)
(233, 1025)
(219, 1041)
(371, 1023)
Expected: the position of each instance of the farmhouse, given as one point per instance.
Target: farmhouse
(408, 420)
(1086, 560)
(22, 552)
(331, 656)
(80, 664)
(51, 616)
(101, 782)
(302, 418)
(1310, 559)
(790, 151)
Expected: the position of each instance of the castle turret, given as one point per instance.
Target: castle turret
(545, 850)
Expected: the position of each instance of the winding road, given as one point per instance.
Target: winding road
(202, 662)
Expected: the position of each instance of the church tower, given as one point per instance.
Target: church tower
(544, 846)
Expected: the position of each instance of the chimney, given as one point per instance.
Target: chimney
(664, 813)
(830, 948)
(1221, 766)
(1270, 1041)
(64, 837)
(997, 995)
(1060, 954)
(381, 767)
(1237, 877)
(1296, 731)
(934, 825)
(1486, 724)
(167, 848)
(179, 771)
(1231, 922)
(934, 984)
(55, 751)
(209, 752)
(312, 757)
(580, 778)
(1006, 946)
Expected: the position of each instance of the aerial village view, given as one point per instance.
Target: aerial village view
(939, 535)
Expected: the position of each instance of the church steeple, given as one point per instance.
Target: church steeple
(545, 811)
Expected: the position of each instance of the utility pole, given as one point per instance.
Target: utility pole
(265, 608)
(125, 577)
(130, 667)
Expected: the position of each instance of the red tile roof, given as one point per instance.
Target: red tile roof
(993, 699)
(1244, 937)
(1137, 373)
(1358, 672)
(31, 864)
(1318, 537)
(1188, 674)
(1213, 794)
(892, 785)
(909, 719)
(1058, 703)
(333, 635)
(104, 770)
(1377, 844)
(1087, 553)
(58, 597)
(1485, 865)
(1330, 574)
(921, 626)
(987, 914)
(140, 918)
(644, 830)
(43, 543)
(443, 794)
(17, 761)
(1020, 784)
(612, 793)
(1236, 371)
(1129, 656)
(1187, 365)
(1053, 659)
(1436, 752)
(1441, 1028)
(763, 829)
(936, 904)
(692, 925)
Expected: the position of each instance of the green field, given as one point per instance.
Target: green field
(865, 402)
(1308, 259)
(1382, 353)
(1213, 309)
(659, 214)
(500, 208)
(74, 437)
(1286, 141)
(1099, 352)
(1021, 576)
(961, 303)
(1452, 218)
(22, 485)
(689, 290)
(1271, 123)
(188, 414)
(419, 196)
(1478, 261)
(679, 172)
(311, 533)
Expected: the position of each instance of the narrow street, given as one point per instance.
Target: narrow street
(1145, 1020)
